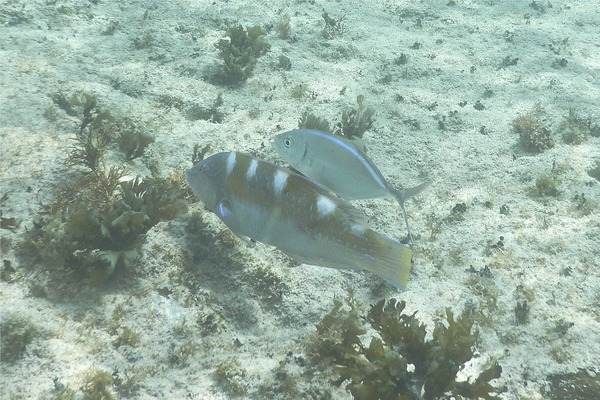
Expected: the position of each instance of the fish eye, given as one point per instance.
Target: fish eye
(287, 142)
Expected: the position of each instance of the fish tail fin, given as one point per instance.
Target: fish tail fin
(404, 194)
(394, 262)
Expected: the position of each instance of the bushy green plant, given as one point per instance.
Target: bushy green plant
(240, 51)
(353, 124)
(231, 377)
(336, 334)
(98, 128)
(399, 363)
(95, 131)
(522, 313)
(199, 153)
(594, 172)
(211, 114)
(575, 129)
(16, 334)
(100, 223)
(309, 120)
(98, 385)
(283, 26)
(132, 140)
(546, 186)
(533, 135)
(356, 121)
(334, 26)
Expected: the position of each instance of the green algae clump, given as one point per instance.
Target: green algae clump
(356, 121)
(399, 363)
(16, 334)
(534, 137)
(100, 222)
(240, 51)
(575, 129)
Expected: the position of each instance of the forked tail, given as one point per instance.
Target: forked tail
(404, 194)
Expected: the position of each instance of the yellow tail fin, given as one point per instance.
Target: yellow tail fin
(393, 262)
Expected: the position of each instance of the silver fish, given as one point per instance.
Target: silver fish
(273, 205)
(340, 165)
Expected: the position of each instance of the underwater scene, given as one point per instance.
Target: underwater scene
(300, 199)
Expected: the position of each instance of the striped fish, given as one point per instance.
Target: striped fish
(273, 205)
(340, 165)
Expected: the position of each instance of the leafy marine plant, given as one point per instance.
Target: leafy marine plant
(399, 363)
(356, 121)
(353, 124)
(534, 136)
(309, 120)
(16, 334)
(240, 52)
(96, 128)
(575, 129)
(283, 26)
(334, 26)
(98, 384)
(231, 377)
(594, 171)
(99, 223)
(132, 140)
(546, 185)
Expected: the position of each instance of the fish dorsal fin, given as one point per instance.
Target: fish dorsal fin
(359, 144)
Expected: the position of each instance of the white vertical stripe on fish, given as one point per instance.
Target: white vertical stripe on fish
(231, 162)
(325, 206)
(280, 181)
(251, 170)
(358, 229)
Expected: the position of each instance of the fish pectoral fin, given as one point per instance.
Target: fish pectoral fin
(294, 170)
(224, 209)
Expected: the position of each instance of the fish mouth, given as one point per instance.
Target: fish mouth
(192, 172)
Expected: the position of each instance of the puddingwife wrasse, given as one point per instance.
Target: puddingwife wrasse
(340, 165)
(273, 205)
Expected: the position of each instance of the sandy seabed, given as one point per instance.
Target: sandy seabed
(447, 80)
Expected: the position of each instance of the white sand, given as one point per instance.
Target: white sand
(48, 47)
